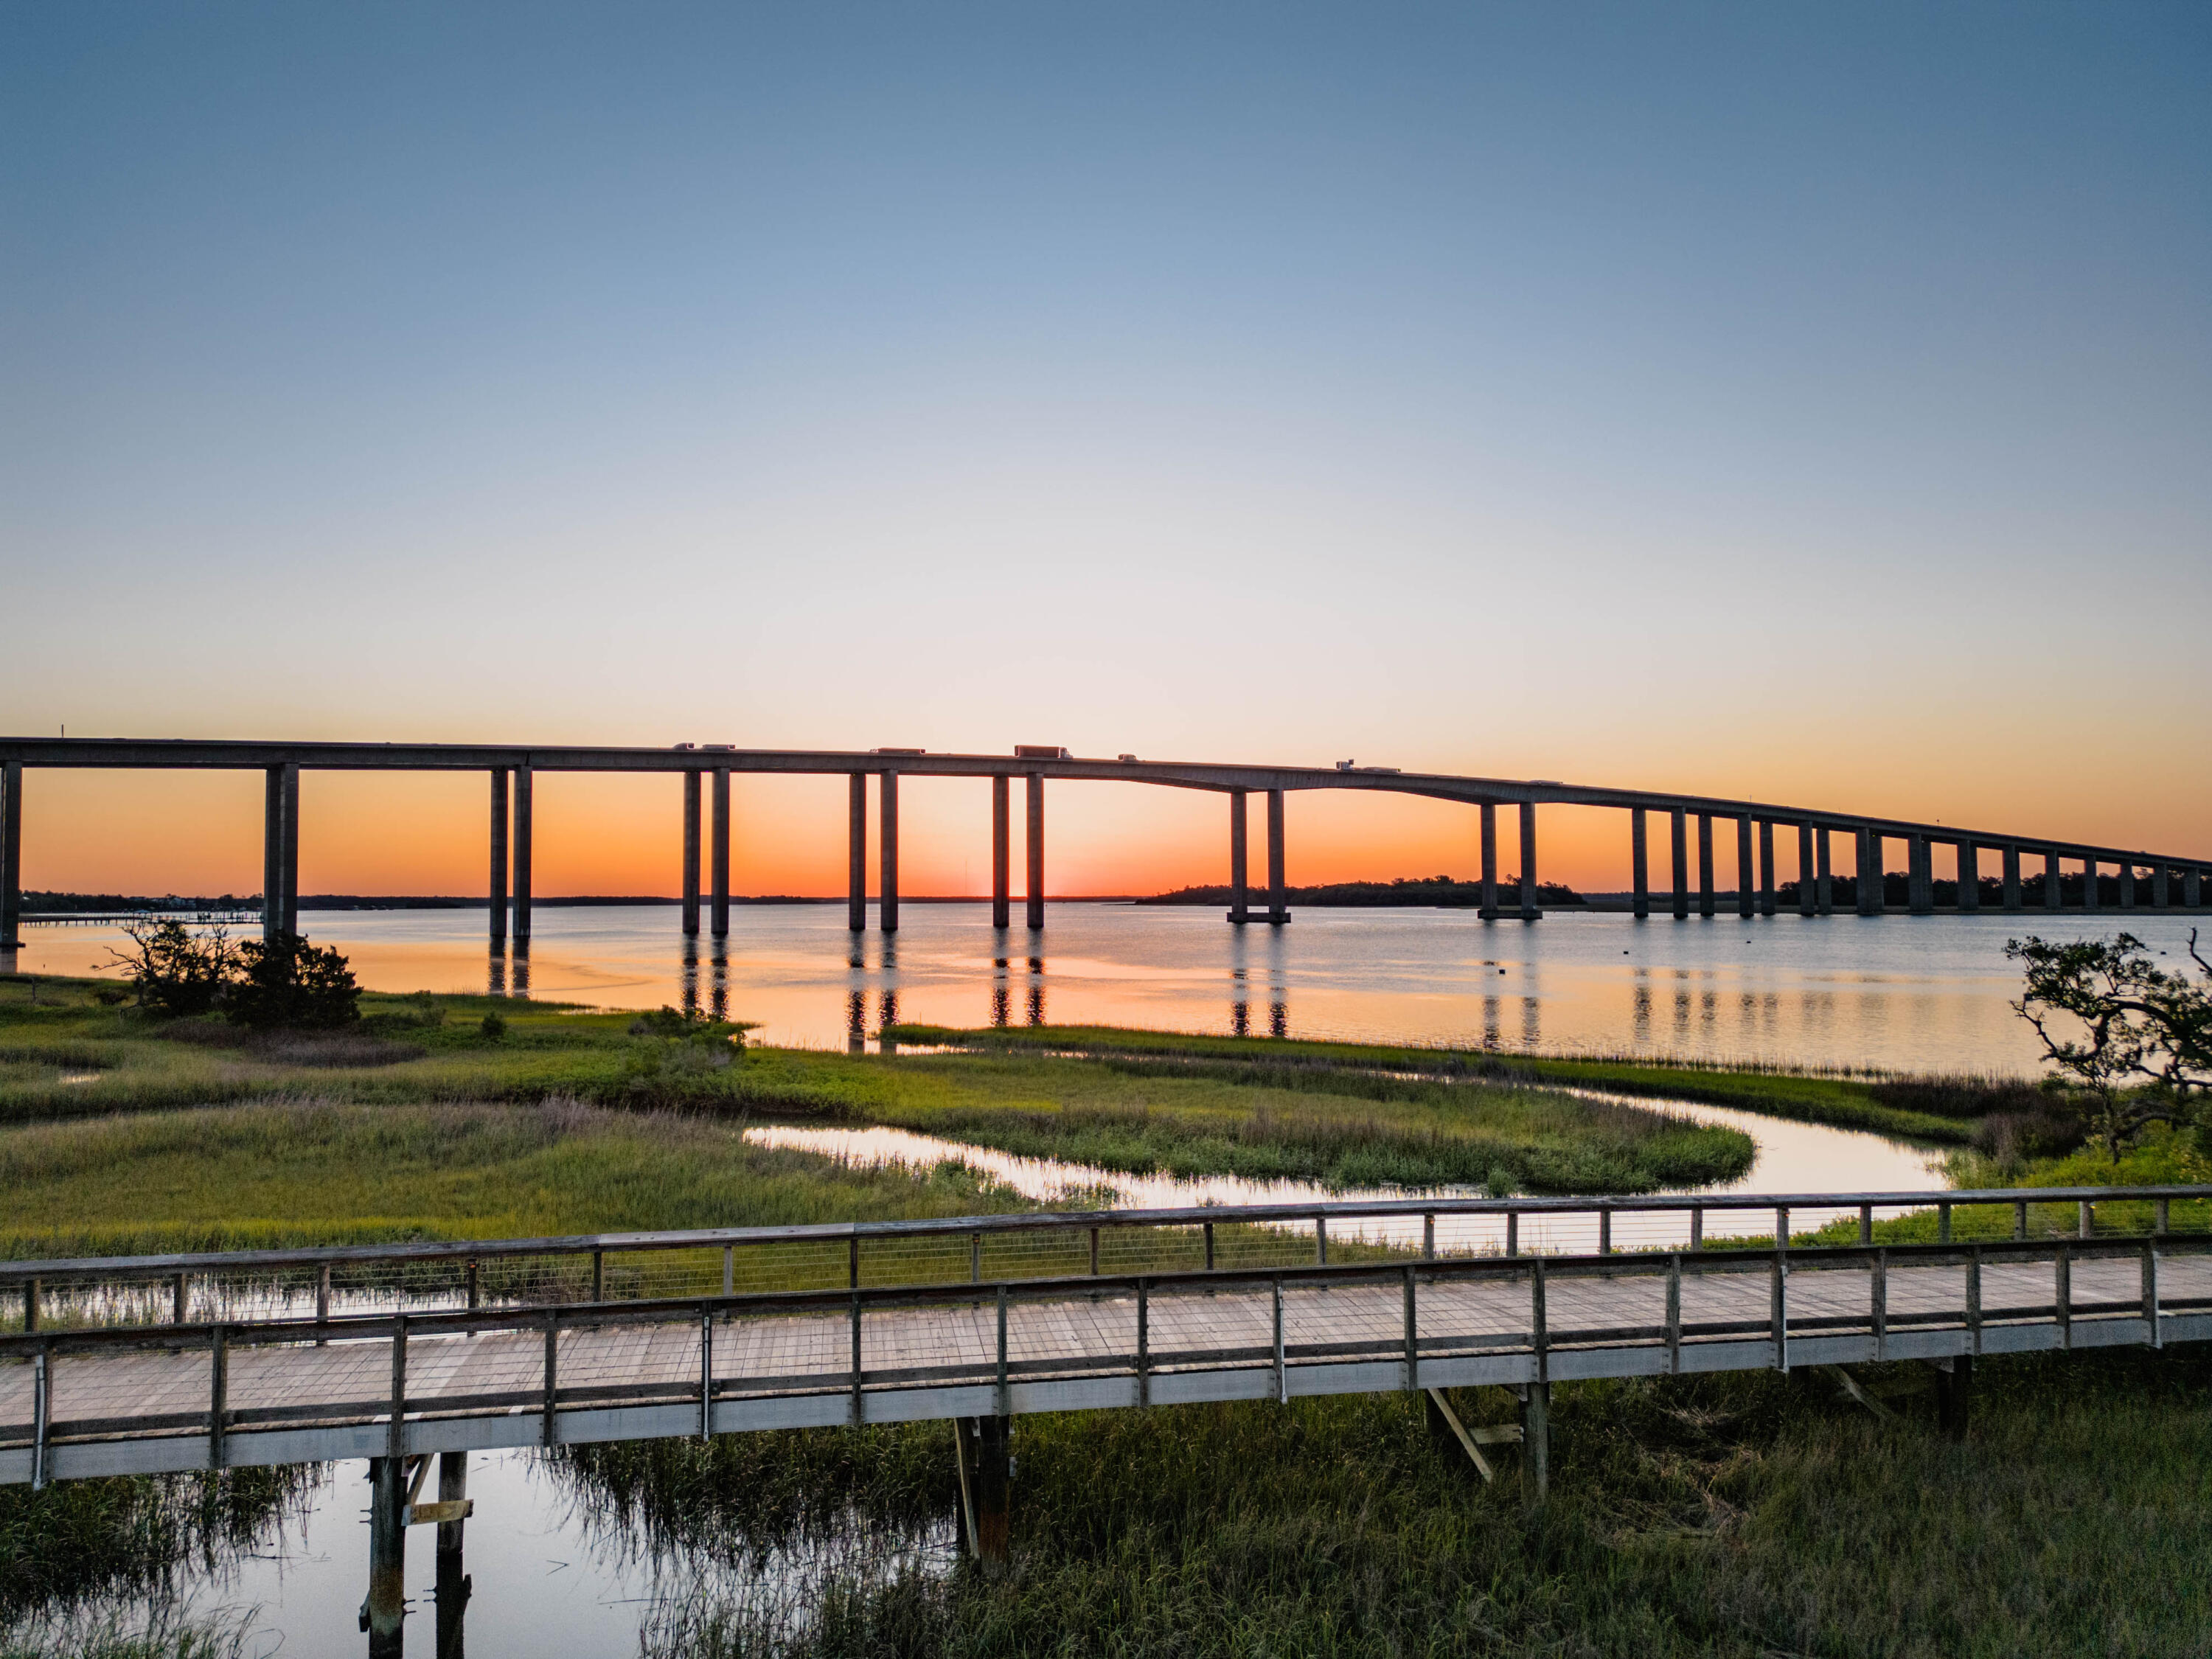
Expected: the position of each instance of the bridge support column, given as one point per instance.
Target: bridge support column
(1920, 875)
(1824, 882)
(1873, 898)
(1767, 866)
(1969, 877)
(1489, 910)
(690, 855)
(2127, 884)
(453, 1583)
(1001, 839)
(718, 856)
(984, 1447)
(280, 851)
(1034, 800)
(1279, 909)
(384, 1612)
(523, 793)
(2054, 891)
(887, 852)
(1808, 895)
(1536, 1436)
(498, 884)
(1239, 898)
(1747, 878)
(2012, 877)
(1528, 910)
(856, 852)
(1639, 863)
(11, 855)
(1681, 851)
(2192, 888)
(2159, 889)
(1705, 864)
(2091, 898)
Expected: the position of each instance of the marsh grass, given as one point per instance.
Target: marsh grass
(1339, 1124)
(293, 1173)
(1752, 1516)
(1905, 1107)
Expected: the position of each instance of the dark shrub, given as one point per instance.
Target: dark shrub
(494, 1027)
(285, 983)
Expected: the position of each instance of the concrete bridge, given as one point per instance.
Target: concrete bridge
(2158, 879)
(397, 1353)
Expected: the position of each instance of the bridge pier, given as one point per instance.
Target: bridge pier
(280, 851)
(1681, 851)
(11, 855)
(1001, 897)
(2012, 900)
(1969, 877)
(887, 852)
(1239, 899)
(2054, 891)
(498, 883)
(856, 852)
(453, 1584)
(523, 793)
(1808, 893)
(690, 856)
(1489, 910)
(1767, 866)
(2158, 888)
(984, 1448)
(1705, 865)
(2127, 884)
(2091, 898)
(1529, 907)
(1920, 876)
(1954, 1394)
(385, 1611)
(1746, 877)
(1638, 857)
(1033, 799)
(1825, 882)
(1536, 1436)
(717, 855)
(1278, 911)
(2192, 888)
(1872, 884)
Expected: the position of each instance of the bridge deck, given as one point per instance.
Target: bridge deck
(117, 1409)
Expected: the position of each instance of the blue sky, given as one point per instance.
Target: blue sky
(1806, 401)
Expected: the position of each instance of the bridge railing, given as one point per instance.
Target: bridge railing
(281, 1286)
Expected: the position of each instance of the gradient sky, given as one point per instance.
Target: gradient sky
(1811, 401)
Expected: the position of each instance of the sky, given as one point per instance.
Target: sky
(1810, 402)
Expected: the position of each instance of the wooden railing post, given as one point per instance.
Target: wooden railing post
(1974, 1298)
(1282, 1369)
(549, 1431)
(1320, 1241)
(1143, 1344)
(2150, 1294)
(1605, 1230)
(1674, 1314)
(396, 1435)
(1878, 1298)
(42, 1407)
(1413, 1339)
(1780, 1314)
(2062, 1280)
(218, 1393)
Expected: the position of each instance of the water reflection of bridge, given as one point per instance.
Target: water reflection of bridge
(399, 1353)
(2136, 877)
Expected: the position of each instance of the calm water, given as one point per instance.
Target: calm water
(1925, 992)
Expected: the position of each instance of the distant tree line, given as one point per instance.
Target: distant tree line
(74, 904)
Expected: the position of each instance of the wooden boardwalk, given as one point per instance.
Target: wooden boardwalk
(143, 1398)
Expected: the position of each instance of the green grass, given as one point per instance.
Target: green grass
(1900, 1107)
(1750, 1516)
(277, 1174)
(1341, 1125)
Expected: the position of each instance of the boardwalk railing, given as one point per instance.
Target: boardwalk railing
(144, 1363)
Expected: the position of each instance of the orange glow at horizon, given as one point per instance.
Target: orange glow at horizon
(377, 834)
